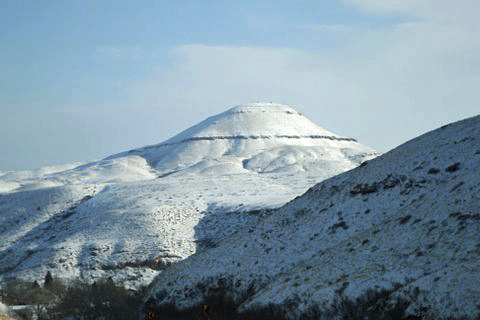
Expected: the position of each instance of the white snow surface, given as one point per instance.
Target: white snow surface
(132, 214)
(3, 309)
(407, 221)
(12, 180)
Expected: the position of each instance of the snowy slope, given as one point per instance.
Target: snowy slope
(14, 180)
(132, 214)
(407, 221)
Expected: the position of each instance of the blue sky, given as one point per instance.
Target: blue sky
(80, 80)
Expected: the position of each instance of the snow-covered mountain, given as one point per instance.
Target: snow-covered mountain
(407, 222)
(132, 214)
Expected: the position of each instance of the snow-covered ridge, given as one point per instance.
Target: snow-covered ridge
(406, 221)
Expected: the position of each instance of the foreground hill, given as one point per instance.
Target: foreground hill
(400, 233)
(132, 214)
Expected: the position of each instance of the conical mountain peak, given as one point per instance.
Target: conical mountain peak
(254, 120)
(259, 137)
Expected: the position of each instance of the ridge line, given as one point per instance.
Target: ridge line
(211, 138)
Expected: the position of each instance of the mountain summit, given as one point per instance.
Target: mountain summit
(262, 132)
(132, 214)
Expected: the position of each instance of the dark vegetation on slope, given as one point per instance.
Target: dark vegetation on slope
(58, 300)
(217, 304)
(104, 300)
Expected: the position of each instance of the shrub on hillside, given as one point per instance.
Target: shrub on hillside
(21, 292)
(378, 304)
(101, 300)
(56, 300)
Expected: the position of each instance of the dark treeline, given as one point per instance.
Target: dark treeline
(374, 304)
(103, 299)
(55, 299)
(216, 305)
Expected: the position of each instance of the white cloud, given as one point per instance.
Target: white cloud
(388, 5)
(460, 11)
